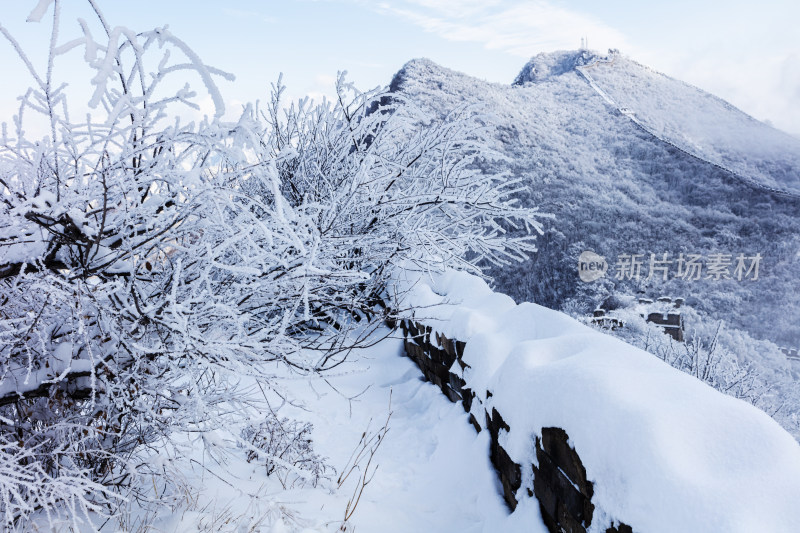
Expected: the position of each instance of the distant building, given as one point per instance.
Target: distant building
(672, 323)
(600, 319)
(664, 312)
(791, 354)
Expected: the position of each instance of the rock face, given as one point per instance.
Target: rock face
(559, 477)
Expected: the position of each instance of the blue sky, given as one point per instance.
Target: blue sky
(745, 52)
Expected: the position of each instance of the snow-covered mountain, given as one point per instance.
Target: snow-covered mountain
(631, 161)
(682, 115)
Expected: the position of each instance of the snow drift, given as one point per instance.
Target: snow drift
(665, 451)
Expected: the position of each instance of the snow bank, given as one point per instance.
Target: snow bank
(665, 452)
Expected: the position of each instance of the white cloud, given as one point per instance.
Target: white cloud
(321, 87)
(456, 8)
(249, 14)
(522, 29)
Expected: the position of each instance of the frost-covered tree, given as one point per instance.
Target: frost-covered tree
(150, 268)
(387, 186)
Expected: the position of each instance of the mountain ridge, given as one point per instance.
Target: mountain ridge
(552, 65)
(612, 184)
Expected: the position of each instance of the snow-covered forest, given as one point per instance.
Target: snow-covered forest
(198, 315)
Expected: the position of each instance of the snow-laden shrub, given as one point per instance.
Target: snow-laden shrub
(152, 270)
(286, 450)
(387, 185)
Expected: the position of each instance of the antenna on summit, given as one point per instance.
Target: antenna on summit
(582, 47)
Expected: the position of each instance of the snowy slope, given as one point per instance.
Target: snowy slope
(665, 452)
(701, 123)
(433, 471)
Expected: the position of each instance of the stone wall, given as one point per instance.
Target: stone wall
(559, 477)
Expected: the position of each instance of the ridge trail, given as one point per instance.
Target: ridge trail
(632, 117)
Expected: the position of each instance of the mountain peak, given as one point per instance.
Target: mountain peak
(551, 64)
(420, 70)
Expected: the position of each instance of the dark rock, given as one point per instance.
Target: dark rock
(457, 382)
(555, 443)
(452, 395)
(460, 348)
(549, 478)
(476, 425)
(510, 475)
(449, 347)
(426, 331)
(467, 397)
(620, 528)
(509, 471)
(567, 523)
(495, 423)
(442, 357)
(560, 484)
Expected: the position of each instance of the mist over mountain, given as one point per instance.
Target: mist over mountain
(632, 162)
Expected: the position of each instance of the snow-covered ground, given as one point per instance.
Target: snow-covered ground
(433, 470)
(664, 451)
